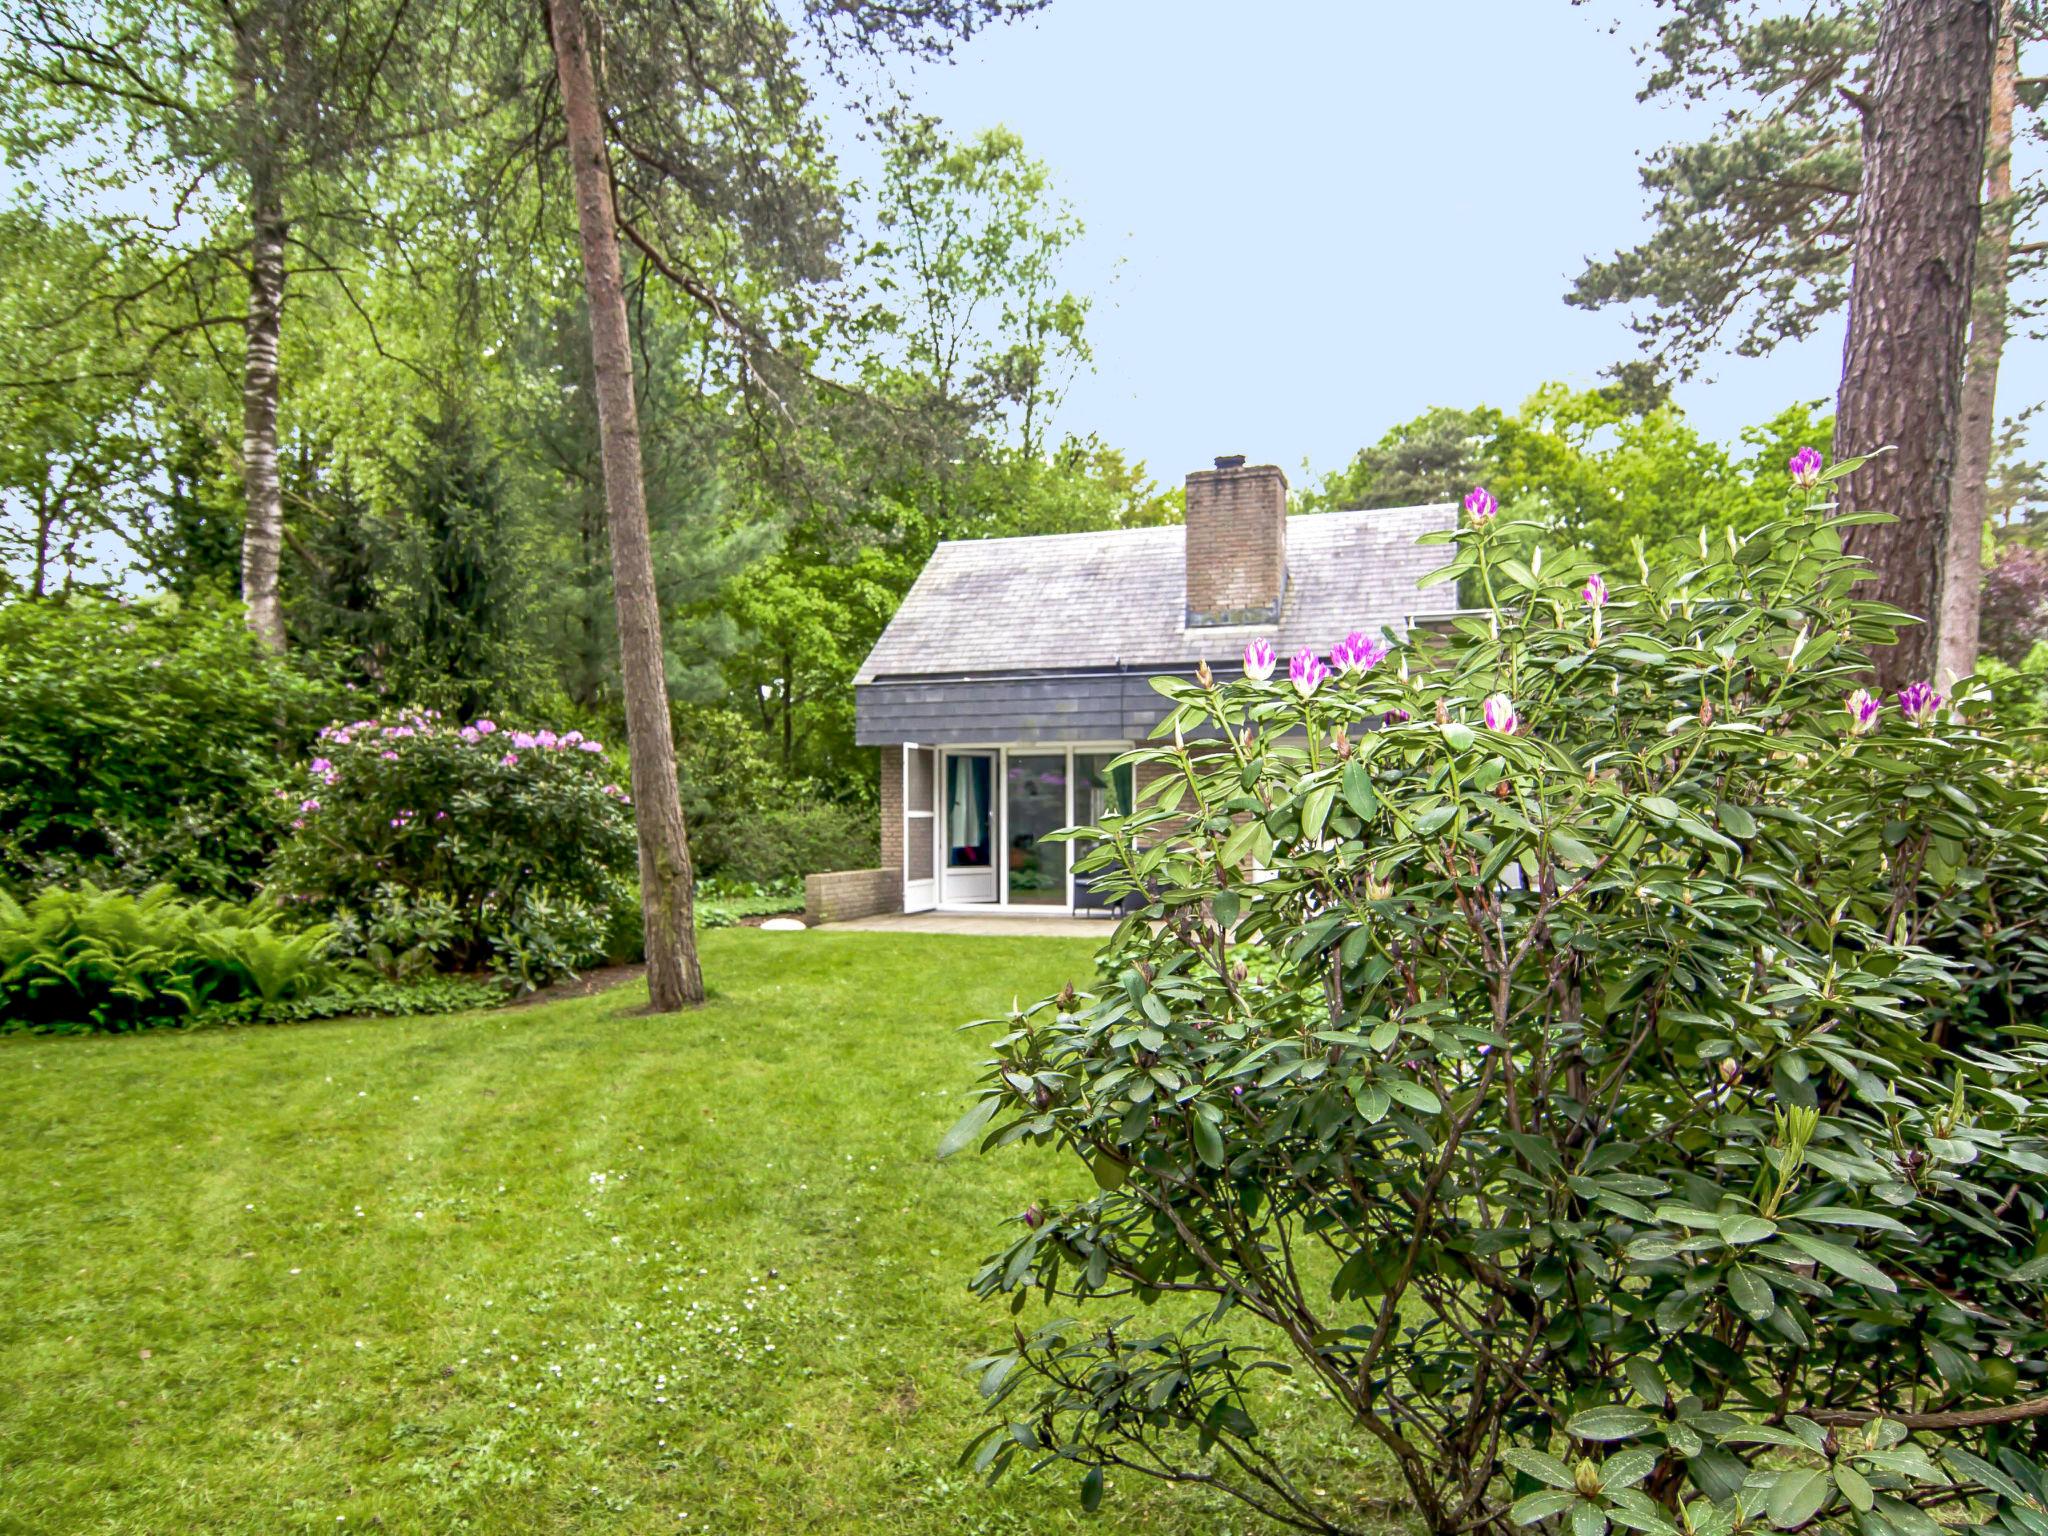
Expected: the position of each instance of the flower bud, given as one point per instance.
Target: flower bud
(1731, 1071)
(1203, 675)
(1034, 1218)
(1586, 1478)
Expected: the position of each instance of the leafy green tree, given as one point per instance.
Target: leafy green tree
(76, 455)
(1595, 466)
(967, 268)
(219, 150)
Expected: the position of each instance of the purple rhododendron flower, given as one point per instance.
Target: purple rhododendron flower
(1595, 591)
(526, 741)
(589, 746)
(1480, 505)
(318, 766)
(1500, 714)
(1259, 660)
(1398, 717)
(1863, 711)
(1357, 652)
(1919, 703)
(389, 757)
(1307, 671)
(307, 806)
(510, 760)
(1805, 467)
(485, 727)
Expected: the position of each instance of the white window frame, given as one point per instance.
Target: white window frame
(1000, 789)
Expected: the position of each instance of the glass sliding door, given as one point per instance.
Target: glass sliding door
(969, 824)
(1035, 797)
(1099, 791)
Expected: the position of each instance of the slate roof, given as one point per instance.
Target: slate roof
(1117, 599)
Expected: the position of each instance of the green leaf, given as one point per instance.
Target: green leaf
(1358, 792)
(1414, 1095)
(969, 1125)
(1545, 1469)
(1540, 1505)
(1647, 1380)
(1109, 1173)
(1224, 907)
(1315, 810)
(1659, 807)
(1740, 1229)
(1208, 1143)
(1239, 843)
(1433, 820)
(1750, 1292)
(1735, 821)
(1855, 1487)
(1091, 1490)
(1612, 1422)
(1572, 851)
(1797, 1495)
(1846, 1262)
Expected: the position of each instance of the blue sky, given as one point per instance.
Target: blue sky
(1310, 221)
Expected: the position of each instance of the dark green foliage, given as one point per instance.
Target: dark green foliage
(769, 842)
(73, 961)
(723, 903)
(364, 994)
(424, 594)
(139, 742)
(437, 847)
(1608, 1066)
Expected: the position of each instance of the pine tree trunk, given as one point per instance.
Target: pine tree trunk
(1909, 301)
(1962, 579)
(673, 977)
(263, 525)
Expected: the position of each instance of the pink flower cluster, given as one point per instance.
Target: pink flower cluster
(1918, 704)
(1356, 653)
(415, 724)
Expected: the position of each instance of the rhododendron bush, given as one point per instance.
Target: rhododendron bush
(1549, 1039)
(432, 845)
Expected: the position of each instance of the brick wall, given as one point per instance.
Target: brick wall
(849, 893)
(892, 809)
(1236, 543)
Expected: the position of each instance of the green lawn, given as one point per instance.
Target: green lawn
(545, 1270)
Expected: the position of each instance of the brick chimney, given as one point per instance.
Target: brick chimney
(1236, 543)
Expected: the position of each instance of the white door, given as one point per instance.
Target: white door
(967, 827)
(920, 829)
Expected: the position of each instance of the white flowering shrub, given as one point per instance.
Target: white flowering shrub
(1526, 1036)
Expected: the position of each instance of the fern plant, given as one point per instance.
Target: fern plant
(81, 960)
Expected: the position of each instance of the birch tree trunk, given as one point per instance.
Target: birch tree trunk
(1962, 577)
(263, 523)
(1909, 301)
(673, 977)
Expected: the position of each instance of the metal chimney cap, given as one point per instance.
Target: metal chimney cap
(1230, 461)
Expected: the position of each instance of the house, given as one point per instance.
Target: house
(1017, 670)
